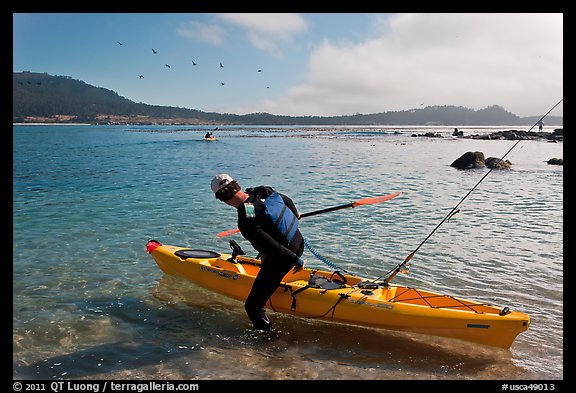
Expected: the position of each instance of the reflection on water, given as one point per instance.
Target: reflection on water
(190, 332)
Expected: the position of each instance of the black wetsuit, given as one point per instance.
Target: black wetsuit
(277, 255)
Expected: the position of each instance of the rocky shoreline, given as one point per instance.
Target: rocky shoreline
(512, 135)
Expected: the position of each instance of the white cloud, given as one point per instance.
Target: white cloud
(268, 31)
(474, 60)
(202, 32)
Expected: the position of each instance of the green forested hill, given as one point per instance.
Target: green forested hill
(43, 97)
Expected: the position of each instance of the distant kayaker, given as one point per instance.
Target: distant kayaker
(208, 135)
(277, 253)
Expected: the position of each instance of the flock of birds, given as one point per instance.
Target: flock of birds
(154, 51)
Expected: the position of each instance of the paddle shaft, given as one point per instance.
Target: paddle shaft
(327, 210)
(361, 202)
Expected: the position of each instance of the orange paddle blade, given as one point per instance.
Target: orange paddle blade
(371, 200)
(228, 232)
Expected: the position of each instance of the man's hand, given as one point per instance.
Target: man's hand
(299, 265)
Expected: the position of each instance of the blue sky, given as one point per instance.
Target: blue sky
(311, 64)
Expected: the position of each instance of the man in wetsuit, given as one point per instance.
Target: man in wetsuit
(278, 255)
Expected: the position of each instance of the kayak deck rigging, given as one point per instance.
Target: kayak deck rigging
(452, 302)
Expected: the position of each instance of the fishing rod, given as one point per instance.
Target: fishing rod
(403, 267)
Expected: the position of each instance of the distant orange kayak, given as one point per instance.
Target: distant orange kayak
(212, 138)
(346, 298)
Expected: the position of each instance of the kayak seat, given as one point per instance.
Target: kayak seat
(318, 281)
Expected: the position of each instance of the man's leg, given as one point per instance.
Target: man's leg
(265, 284)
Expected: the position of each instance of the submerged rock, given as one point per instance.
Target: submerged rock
(497, 163)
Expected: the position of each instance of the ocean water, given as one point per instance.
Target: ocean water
(90, 303)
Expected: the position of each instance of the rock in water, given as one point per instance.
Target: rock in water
(468, 160)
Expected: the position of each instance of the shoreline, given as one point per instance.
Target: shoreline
(52, 124)
(445, 127)
(439, 131)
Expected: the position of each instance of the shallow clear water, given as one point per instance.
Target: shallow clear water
(88, 302)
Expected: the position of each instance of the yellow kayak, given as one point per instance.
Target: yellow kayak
(347, 298)
(211, 138)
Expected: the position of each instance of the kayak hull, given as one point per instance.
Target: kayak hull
(347, 298)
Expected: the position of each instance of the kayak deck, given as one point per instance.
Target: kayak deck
(347, 298)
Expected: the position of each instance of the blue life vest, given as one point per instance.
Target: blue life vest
(281, 215)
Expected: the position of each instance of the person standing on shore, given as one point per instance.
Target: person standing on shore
(277, 239)
(540, 125)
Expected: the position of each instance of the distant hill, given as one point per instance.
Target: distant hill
(39, 97)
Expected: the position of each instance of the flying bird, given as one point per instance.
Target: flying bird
(167, 65)
(259, 70)
(193, 62)
(222, 83)
(141, 76)
(221, 65)
(154, 51)
(119, 43)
